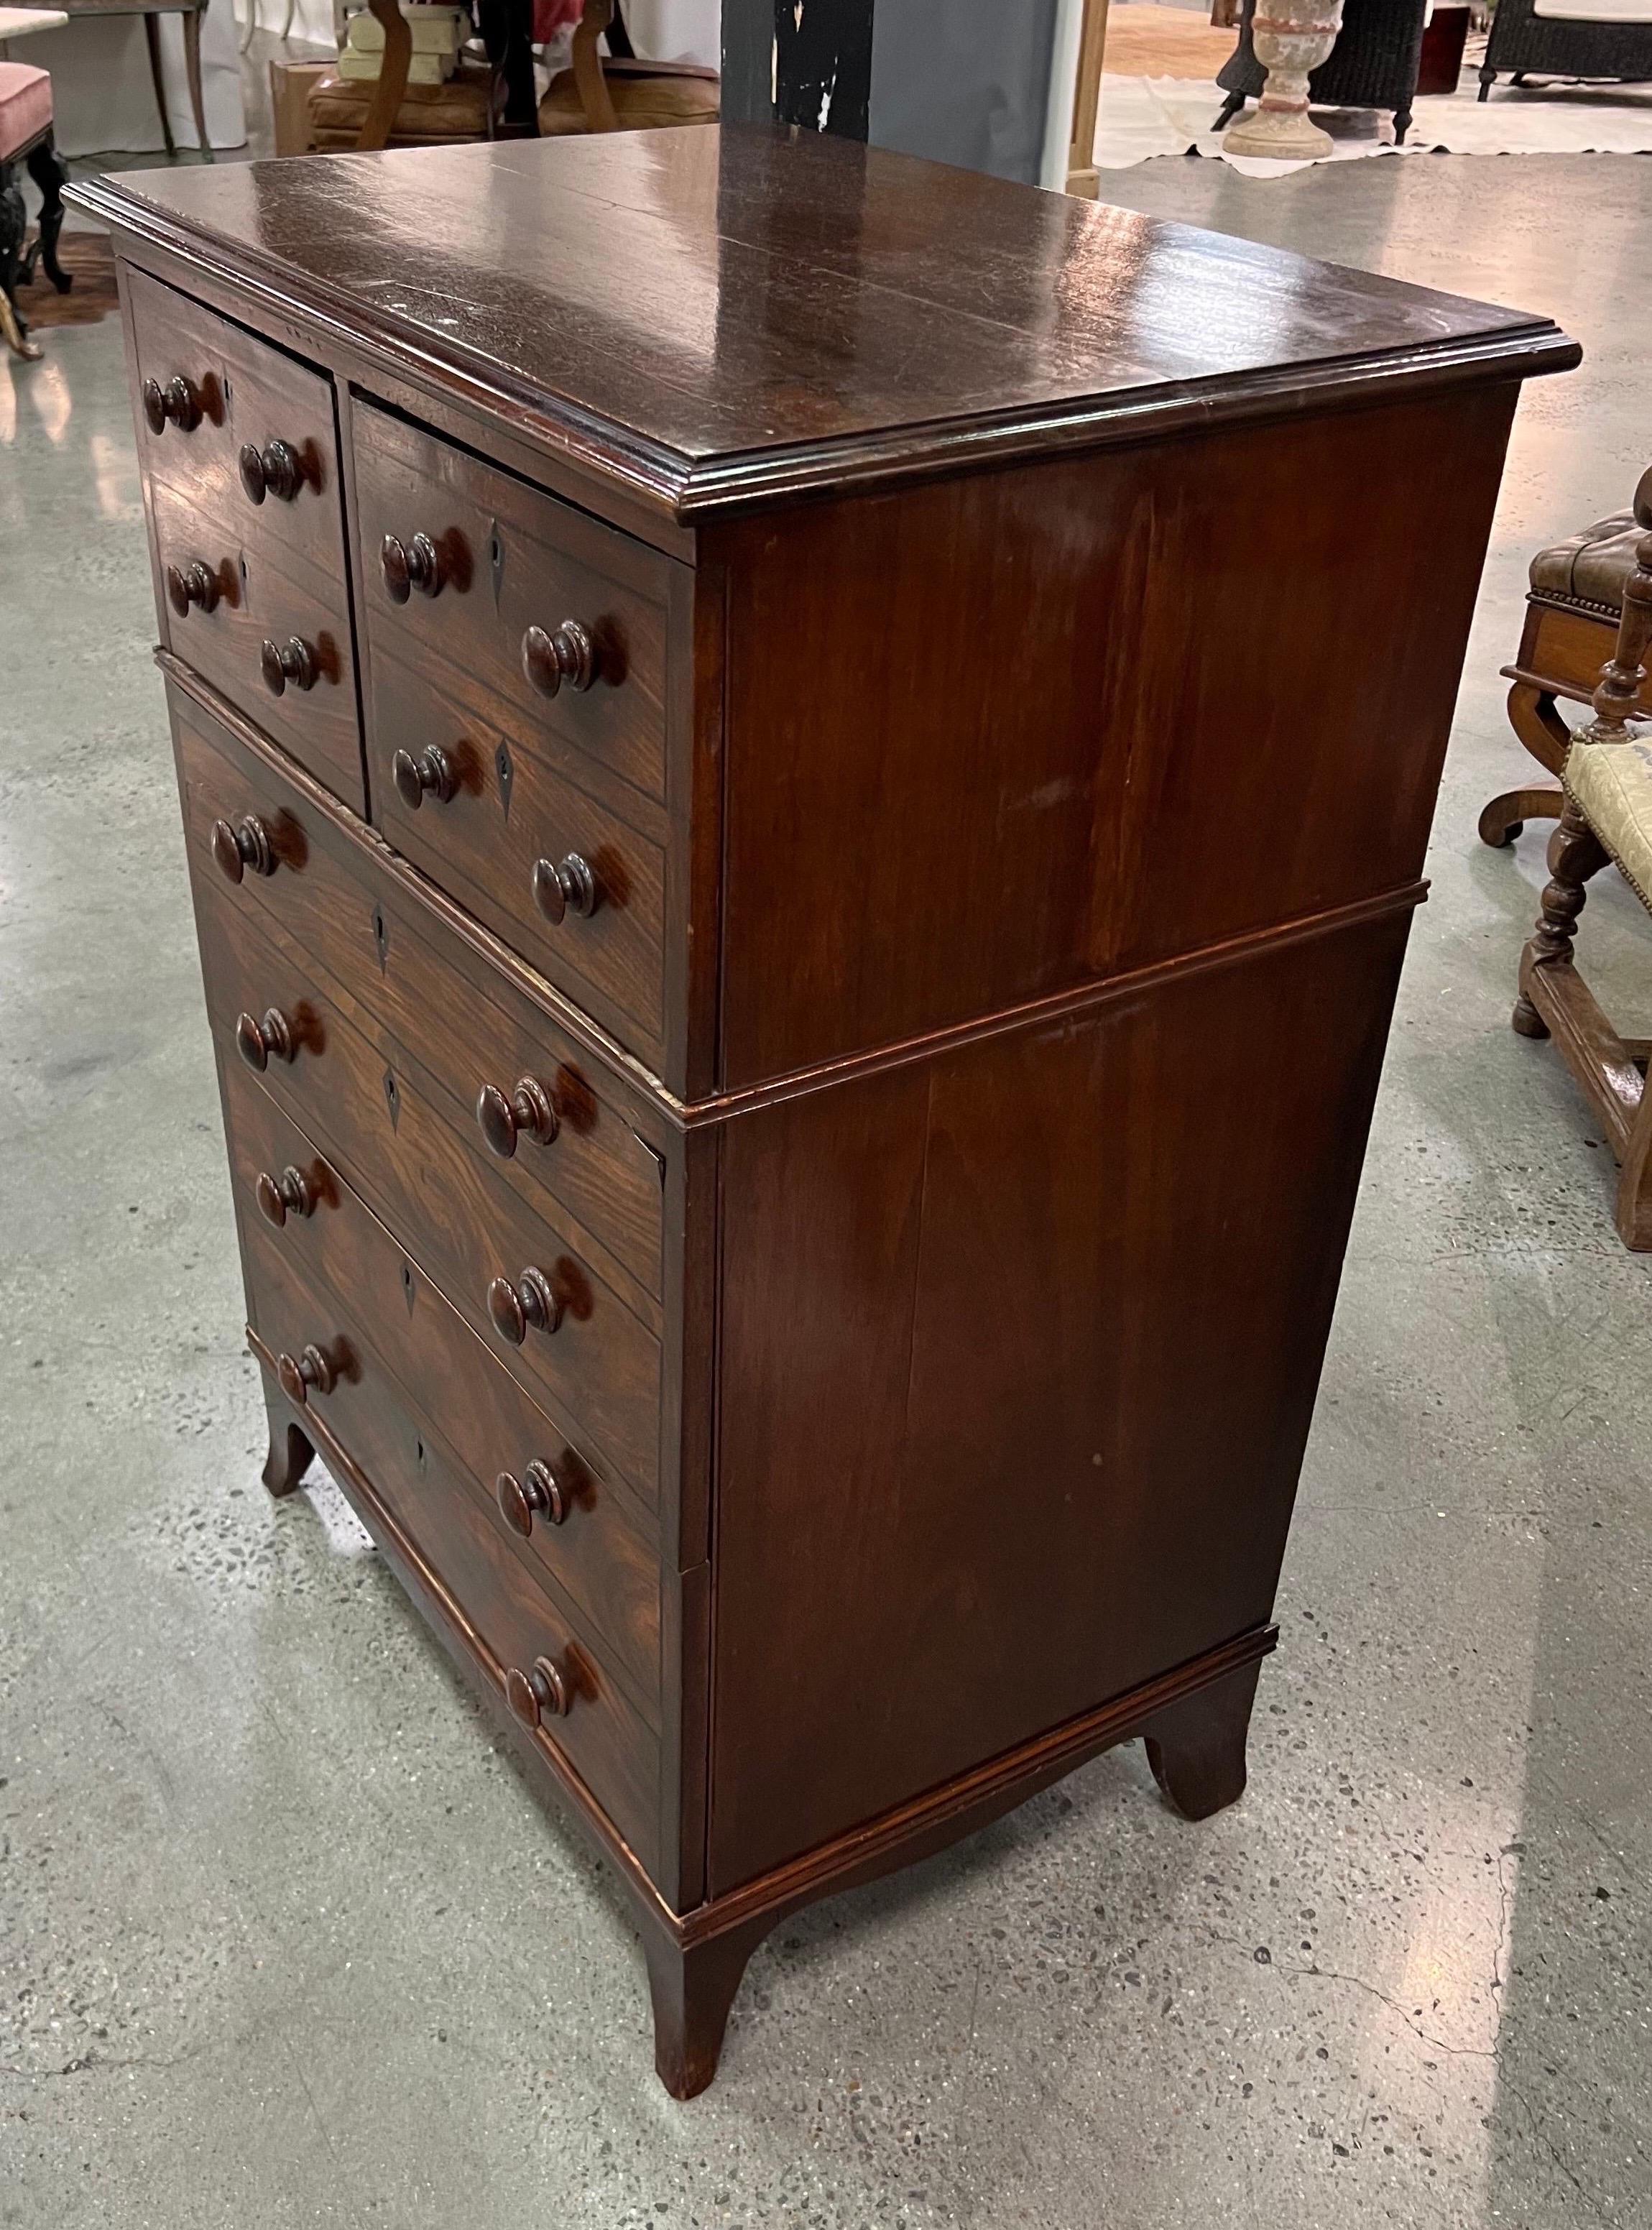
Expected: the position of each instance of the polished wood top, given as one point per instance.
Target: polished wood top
(723, 315)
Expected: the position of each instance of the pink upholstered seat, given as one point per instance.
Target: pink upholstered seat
(25, 106)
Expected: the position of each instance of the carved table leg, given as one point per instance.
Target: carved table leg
(1196, 1748)
(153, 33)
(192, 72)
(1575, 853)
(693, 1987)
(290, 1452)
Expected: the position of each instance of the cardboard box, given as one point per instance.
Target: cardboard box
(289, 84)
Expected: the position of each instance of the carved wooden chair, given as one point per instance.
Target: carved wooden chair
(1606, 814)
(622, 93)
(490, 101)
(26, 138)
(616, 93)
(1572, 612)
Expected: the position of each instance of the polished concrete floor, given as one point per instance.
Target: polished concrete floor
(283, 1938)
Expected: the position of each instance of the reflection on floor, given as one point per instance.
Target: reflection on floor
(283, 1939)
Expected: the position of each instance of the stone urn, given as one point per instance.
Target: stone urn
(1291, 37)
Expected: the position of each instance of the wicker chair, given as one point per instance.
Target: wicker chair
(1557, 46)
(1372, 65)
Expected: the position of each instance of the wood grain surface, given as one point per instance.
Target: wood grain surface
(716, 317)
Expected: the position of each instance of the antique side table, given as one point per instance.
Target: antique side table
(805, 776)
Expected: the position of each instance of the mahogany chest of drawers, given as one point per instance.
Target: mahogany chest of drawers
(805, 776)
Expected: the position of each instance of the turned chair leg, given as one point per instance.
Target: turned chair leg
(692, 1987)
(46, 169)
(290, 1452)
(1575, 853)
(1196, 1748)
(1231, 108)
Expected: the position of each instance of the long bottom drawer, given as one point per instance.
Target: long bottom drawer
(601, 1734)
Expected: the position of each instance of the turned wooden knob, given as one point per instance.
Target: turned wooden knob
(408, 565)
(291, 1193)
(268, 1037)
(432, 771)
(530, 1107)
(566, 654)
(544, 1690)
(531, 1301)
(242, 844)
(298, 1375)
(292, 661)
(194, 583)
(274, 470)
(178, 401)
(564, 886)
(538, 1493)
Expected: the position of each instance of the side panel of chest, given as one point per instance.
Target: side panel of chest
(992, 739)
(1018, 1351)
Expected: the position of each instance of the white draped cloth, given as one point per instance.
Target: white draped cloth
(103, 96)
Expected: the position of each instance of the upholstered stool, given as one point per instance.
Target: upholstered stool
(1572, 615)
(26, 138)
(1606, 814)
(425, 116)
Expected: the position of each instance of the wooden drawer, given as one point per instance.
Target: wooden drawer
(571, 1338)
(507, 558)
(603, 1736)
(246, 611)
(601, 1559)
(242, 395)
(504, 830)
(403, 974)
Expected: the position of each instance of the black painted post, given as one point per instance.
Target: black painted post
(823, 64)
(799, 62)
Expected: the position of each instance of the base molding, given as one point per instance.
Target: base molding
(1194, 1718)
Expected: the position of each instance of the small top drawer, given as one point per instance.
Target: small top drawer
(240, 462)
(238, 428)
(534, 615)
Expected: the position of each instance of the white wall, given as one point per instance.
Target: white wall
(675, 30)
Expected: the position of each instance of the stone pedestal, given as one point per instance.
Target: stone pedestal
(1291, 38)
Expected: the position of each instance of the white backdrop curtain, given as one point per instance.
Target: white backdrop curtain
(103, 97)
